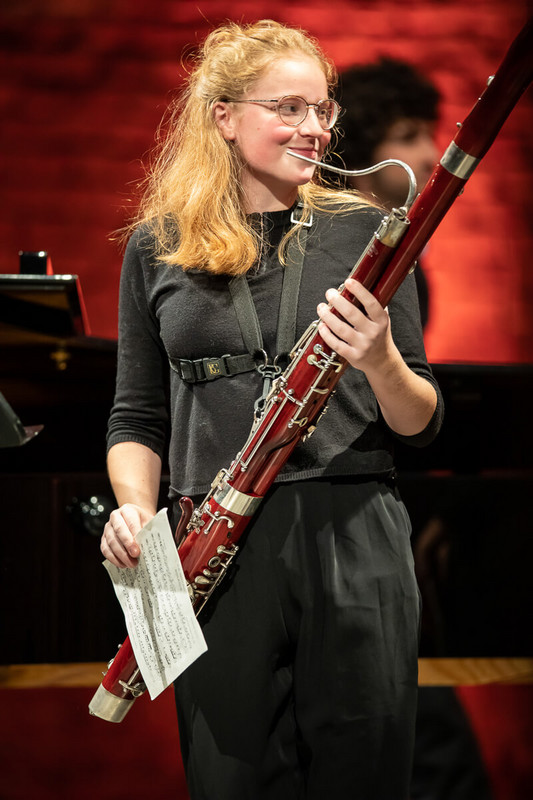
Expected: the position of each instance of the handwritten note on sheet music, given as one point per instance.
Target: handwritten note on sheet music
(165, 635)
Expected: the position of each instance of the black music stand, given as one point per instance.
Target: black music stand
(41, 304)
(12, 432)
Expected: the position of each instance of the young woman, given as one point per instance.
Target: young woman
(308, 688)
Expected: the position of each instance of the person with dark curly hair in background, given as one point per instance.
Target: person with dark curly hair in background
(391, 111)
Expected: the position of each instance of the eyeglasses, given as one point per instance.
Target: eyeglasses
(293, 110)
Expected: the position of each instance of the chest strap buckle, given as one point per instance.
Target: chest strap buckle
(200, 370)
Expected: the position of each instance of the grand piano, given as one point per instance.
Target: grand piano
(467, 493)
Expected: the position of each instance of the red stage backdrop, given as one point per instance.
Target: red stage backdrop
(83, 85)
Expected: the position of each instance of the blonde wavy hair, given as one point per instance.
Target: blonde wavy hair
(193, 201)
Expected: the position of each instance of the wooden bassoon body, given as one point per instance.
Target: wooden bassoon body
(209, 535)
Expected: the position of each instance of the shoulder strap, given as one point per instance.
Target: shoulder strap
(288, 309)
(244, 306)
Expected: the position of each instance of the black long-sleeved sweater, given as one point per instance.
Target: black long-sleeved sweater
(167, 314)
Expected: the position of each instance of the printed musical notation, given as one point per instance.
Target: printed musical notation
(165, 635)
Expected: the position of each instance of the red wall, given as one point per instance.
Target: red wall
(83, 84)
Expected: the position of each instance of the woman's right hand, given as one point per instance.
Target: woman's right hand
(118, 543)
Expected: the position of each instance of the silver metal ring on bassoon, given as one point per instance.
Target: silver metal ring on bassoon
(236, 502)
(458, 163)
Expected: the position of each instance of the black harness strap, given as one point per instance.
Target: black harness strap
(247, 315)
(208, 369)
(249, 322)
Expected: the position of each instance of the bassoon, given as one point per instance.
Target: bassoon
(208, 536)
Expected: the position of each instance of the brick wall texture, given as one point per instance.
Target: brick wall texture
(83, 85)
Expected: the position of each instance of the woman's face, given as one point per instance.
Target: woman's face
(270, 176)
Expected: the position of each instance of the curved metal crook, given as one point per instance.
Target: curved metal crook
(411, 195)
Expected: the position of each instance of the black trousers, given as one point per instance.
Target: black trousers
(308, 689)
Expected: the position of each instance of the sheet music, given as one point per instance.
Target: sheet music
(165, 635)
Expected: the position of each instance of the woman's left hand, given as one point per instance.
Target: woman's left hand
(363, 339)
